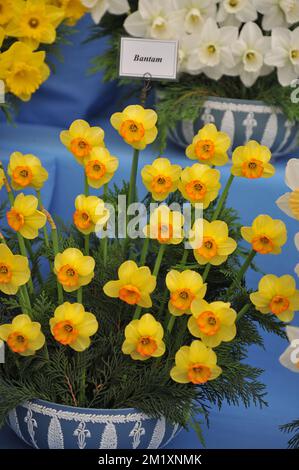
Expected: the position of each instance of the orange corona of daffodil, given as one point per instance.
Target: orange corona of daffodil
(134, 285)
(266, 235)
(209, 146)
(24, 217)
(196, 364)
(26, 171)
(184, 287)
(80, 139)
(200, 184)
(165, 226)
(73, 269)
(144, 338)
(277, 295)
(211, 242)
(14, 271)
(161, 178)
(72, 326)
(136, 125)
(90, 215)
(23, 336)
(23, 70)
(212, 323)
(100, 167)
(252, 161)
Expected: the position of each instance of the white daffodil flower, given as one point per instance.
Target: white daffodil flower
(192, 13)
(186, 48)
(290, 358)
(212, 52)
(289, 202)
(297, 246)
(98, 8)
(284, 54)
(235, 12)
(277, 12)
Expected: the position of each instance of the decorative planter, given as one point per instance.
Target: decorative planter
(45, 425)
(243, 120)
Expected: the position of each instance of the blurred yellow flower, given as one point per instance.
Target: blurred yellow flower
(165, 226)
(14, 271)
(277, 295)
(266, 235)
(252, 161)
(289, 202)
(2, 178)
(81, 138)
(73, 10)
(196, 364)
(144, 338)
(200, 184)
(136, 125)
(6, 11)
(210, 242)
(73, 269)
(24, 217)
(134, 285)
(161, 178)
(184, 287)
(90, 215)
(23, 70)
(212, 322)
(72, 326)
(26, 171)
(23, 336)
(209, 146)
(2, 34)
(100, 167)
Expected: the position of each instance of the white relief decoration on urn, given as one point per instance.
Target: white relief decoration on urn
(55, 434)
(249, 123)
(109, 437)
(207, 117)
(81, 432)
(137, 432)
(228, 124)
(158, 434)
(289, 127)
(31, 425)
(270, 132)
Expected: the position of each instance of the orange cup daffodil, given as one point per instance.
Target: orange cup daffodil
(266, 235)
(90, 215)
(209, 146)
(23, 336)
(161, 178)
(252, 161)
(196, 364)
(144, 338)
(26, 171)
(184, 287)
(277, 295)
(200, 184)
(73, 326)
(100, 167)
(212, 322)
(136, 125)
(73, 269)
(14, 271)
(24, 217)
(165, 226)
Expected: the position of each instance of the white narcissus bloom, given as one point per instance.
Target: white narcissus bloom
(192, 13)
(212, 52)
(284, 54)
(235, 12)
(277, 12)
(249, 52)
(290, 358)
(186, 47)
(297, 246)
(98, 8)
(289, 202)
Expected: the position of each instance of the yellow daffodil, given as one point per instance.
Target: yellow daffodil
(34, 21)
(277, 295)
(90, 215)
(23, 336)
(200, 184)
(23, 70)
(161, 178)
(289, 202)
(72, 326)
(184, 287)
(165, 226)
(6, 11)
(26, 171)
(24, 217)
(209, 146)
(73, 269)
(100, 167)
(144, 338)
(266, 235)
(2, 178)
(134, 285)
(80, 139)
(14, 271)
(196, 364)
(73, 10)
(297, 246)
(136, 125)
(212, 323)
(252, 161)
(210, 242)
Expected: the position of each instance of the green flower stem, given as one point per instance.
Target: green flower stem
(23, 252)
(144, 251)
(206, 272)
(133, 178)
(242, 312)
(41, 207)
(23, 302)
(245, 266)
(82, 371)
(86, 185)
(163, 302)
(31, 256)
(86, 244)
(2, 239)
(171, 323)
(55, 242)
(184, 259)
(223, 197)
(80, 295)
(26, 300)
(159, 260)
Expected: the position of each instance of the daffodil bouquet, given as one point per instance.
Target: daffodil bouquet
(160, 322)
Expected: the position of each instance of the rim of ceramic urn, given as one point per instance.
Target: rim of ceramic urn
(238, 100)
(83, 410)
